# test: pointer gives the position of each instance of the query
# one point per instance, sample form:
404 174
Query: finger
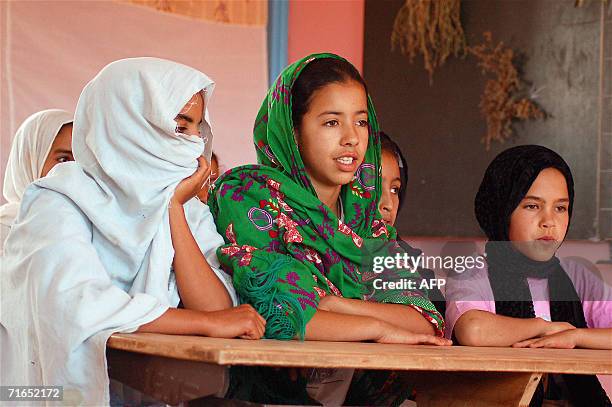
423 339
521 344
262 332
203 170
256 334
257 315
202 162
260 318
252 333
444 342
263 328
435 340
525 343
255 326
250 337
538 344
260 327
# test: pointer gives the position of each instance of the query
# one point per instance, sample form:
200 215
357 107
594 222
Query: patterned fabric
284 247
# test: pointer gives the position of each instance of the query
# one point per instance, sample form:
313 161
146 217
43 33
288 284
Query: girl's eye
362 123
181 129
63 159
331 123
395 190
561 209
531 206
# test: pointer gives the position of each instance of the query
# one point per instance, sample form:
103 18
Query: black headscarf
505 184
386 144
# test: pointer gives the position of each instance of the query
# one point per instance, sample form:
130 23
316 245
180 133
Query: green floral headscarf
284 247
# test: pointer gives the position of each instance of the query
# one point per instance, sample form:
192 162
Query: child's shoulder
477 268
578 268
472 282
587 278
43 202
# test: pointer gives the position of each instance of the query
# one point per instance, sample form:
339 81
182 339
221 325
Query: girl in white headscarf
42 141
107 243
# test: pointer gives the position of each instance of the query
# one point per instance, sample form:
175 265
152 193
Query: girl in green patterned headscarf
299 226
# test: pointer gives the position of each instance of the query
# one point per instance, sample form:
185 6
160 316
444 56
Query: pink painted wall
49 50
326 26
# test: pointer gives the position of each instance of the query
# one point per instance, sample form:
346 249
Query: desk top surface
364 355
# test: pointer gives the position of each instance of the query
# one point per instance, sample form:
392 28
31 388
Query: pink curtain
50 50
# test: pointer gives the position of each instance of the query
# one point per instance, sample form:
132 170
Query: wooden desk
450 376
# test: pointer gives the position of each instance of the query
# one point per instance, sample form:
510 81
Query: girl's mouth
347 162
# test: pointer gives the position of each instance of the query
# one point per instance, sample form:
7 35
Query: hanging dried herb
505 98
431 28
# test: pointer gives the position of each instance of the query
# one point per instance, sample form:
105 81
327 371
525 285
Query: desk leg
169 380
474 389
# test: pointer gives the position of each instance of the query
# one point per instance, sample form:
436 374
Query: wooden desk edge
231 356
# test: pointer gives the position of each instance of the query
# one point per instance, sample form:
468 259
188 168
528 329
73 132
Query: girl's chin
345 181
341 178
336 178
538 250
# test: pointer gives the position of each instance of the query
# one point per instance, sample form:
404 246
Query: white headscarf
29 151
90 252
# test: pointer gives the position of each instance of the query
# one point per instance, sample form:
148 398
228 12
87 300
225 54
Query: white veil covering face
90 252
30 148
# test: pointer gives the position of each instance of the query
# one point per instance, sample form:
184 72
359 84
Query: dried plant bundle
505 98
431 28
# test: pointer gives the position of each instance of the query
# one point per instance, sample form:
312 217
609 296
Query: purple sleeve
468 291
595 294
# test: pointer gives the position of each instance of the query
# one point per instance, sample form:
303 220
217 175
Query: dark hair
386 144
316 75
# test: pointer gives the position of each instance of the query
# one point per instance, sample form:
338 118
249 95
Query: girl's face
391 183
333 135
189 119
61 149
539 223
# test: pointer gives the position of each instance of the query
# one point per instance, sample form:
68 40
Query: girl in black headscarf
524 206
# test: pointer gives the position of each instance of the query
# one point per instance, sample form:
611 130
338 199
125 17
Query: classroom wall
50 50
332 26
439 125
